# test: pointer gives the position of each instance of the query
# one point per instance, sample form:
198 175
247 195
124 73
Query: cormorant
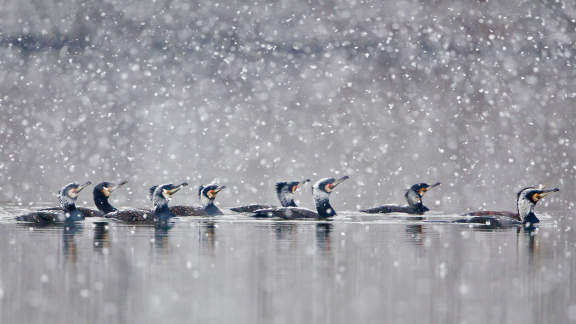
206 195
526 199
101 193
285 192
68 213
321 191
160 195
413 197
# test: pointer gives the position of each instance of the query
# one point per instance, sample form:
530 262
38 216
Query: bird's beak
546 192
81 187
114 187
217 190
339 181
424 190
175 190
434 185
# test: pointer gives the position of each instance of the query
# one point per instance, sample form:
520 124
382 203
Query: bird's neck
530 219
324 208
162 212
211 209
526 211
414 199
206 202
69 207
72 214
419 208
286 199
103 205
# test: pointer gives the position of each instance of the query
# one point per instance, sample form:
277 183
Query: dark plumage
67 213
413 197
321 191
206 195
526 200
285 192
159 216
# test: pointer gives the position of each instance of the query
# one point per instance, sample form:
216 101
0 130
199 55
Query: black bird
413 197
285 192
206 195
321 191
68 213
526 200
160 195
101 193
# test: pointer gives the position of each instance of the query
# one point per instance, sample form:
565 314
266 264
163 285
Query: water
234 269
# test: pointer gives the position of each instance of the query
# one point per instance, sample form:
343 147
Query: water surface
234 269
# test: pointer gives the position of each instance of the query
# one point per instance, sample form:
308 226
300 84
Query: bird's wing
286 213
188 211
386 209
250 208
135 216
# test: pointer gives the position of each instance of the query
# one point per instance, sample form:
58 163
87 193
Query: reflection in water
70 247
340 271
531 235
161 237
207 237
415 234
284 231
101 236
323 239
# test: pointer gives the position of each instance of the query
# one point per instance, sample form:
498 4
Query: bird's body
133 216
286 213
67 213
251 208
87 212
321 191
285 193
160 215
396 209
413 197
206 195
526 200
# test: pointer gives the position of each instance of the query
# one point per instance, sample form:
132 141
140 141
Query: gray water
235 269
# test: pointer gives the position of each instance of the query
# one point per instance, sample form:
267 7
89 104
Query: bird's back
286 213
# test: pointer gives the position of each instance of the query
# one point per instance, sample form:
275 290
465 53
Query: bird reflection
531 234
415 234
101 236
284 231
161 236
323 238
207 236
70 247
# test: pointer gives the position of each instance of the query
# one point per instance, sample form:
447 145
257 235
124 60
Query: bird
67 213
285 192
413 197
160 195
526 200
206 195
321 191
101 193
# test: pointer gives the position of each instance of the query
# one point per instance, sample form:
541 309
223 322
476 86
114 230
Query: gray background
477 95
